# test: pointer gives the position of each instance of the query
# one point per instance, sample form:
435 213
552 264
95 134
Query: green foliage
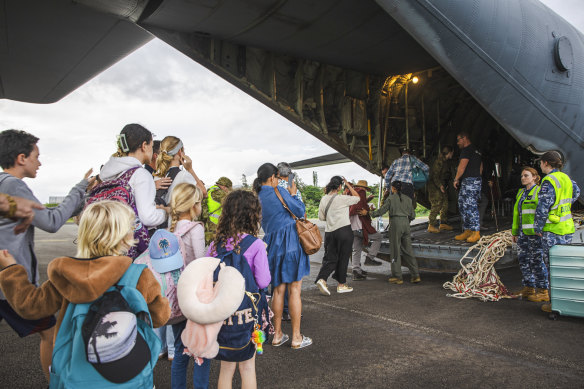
422 211
311 195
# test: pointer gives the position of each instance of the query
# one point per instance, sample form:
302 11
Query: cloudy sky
170 94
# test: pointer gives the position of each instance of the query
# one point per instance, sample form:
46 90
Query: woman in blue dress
288 261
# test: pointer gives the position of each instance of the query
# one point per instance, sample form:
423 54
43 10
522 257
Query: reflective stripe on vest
213 206
560 221
527 211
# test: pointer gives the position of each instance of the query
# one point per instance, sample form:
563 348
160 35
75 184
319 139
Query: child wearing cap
105 236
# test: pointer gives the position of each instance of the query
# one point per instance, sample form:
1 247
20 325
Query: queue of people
134 200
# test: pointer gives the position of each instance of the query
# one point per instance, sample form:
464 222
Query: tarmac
380 336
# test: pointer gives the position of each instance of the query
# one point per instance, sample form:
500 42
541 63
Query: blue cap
164 252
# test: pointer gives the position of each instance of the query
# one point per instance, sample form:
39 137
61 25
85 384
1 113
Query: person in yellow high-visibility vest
529 251
212 207
553 215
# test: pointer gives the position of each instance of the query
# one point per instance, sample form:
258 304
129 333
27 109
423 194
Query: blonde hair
164 159
106 228
183 199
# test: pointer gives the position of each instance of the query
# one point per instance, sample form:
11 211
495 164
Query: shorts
24 327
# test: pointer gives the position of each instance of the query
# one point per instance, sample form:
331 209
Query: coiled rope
479 278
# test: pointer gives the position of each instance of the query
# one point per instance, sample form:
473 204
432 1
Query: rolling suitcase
567 280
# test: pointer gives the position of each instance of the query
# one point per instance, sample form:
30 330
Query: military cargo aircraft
364 76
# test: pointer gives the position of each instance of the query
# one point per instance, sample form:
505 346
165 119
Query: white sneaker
322 287
344 289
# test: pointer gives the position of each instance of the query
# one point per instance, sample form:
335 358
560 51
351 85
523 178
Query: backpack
118 189
73 351
234 338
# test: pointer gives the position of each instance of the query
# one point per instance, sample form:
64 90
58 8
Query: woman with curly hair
288 261
240 219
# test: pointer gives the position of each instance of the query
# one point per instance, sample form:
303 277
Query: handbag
419 176
308 233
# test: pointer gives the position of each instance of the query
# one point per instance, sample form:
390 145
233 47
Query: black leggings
338 247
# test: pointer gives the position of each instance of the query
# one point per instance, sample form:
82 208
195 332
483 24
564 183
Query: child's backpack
107 343
235 343
168 280
119 189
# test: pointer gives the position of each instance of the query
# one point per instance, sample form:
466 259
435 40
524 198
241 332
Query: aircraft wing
50 48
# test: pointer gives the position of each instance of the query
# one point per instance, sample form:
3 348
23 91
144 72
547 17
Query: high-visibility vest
527 212
560 221
213 206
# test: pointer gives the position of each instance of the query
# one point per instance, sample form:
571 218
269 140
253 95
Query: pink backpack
168 281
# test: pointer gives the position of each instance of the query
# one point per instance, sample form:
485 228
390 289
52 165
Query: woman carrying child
105 236
401 213
288 261
239 219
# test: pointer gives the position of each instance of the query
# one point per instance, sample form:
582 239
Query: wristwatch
11 207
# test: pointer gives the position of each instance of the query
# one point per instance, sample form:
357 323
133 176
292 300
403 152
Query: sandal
306 341
283 340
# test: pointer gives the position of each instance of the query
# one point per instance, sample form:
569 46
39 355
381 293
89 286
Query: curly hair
241 214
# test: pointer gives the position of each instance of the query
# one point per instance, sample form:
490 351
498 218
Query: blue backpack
234 338
70 367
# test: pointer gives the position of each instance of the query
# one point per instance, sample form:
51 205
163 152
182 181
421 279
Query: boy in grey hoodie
19 157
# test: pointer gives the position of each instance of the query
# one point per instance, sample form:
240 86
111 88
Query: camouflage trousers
468 203
549 240
439 205
533 268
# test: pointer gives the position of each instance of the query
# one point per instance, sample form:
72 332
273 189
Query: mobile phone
291 179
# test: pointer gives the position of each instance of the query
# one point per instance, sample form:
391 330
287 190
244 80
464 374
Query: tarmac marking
545 359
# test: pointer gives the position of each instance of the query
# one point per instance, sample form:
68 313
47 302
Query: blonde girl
106 233
171 157
185 205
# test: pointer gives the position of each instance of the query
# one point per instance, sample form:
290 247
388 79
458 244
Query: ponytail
257 185
265 171
167 148
333 184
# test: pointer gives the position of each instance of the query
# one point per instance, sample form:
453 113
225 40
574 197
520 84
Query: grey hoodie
21 246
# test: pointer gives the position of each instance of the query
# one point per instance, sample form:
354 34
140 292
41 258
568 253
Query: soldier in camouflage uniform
437 184
212 207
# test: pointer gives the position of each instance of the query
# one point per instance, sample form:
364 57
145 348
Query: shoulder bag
308 233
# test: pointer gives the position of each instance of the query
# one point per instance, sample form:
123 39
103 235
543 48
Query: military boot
474 237
433 229
525 292
540 295
445 227
464 235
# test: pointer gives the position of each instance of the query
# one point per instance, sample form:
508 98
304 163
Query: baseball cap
114 346
552 156
165 252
